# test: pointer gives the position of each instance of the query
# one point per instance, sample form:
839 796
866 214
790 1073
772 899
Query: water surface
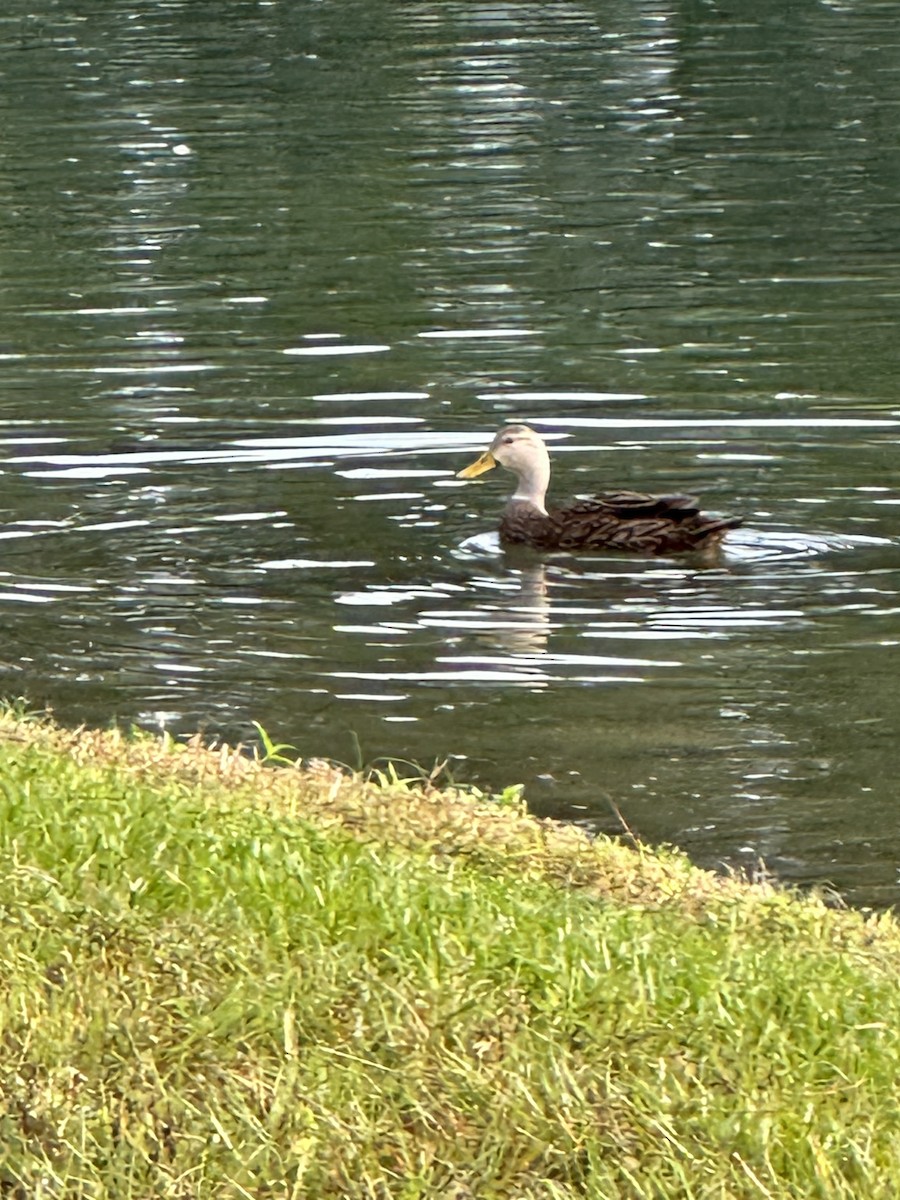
272 273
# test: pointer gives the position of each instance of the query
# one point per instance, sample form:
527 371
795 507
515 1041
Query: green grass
224 980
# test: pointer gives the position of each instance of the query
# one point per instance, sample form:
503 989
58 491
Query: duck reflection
522 624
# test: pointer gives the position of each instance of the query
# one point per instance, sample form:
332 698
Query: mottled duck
610 520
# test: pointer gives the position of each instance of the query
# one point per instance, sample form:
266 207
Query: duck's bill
485 463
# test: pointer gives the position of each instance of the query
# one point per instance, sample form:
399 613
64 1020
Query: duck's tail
710 530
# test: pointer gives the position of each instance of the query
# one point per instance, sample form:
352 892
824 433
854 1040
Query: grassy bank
224 980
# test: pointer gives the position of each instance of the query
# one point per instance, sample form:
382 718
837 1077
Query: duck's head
516 447
520 450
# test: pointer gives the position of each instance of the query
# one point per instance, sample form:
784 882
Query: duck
630 521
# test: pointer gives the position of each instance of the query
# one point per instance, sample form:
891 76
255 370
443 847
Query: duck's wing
625 506
637 521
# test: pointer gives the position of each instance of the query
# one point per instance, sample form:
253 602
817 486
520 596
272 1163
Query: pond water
272 272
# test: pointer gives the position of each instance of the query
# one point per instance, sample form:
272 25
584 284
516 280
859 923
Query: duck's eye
508 441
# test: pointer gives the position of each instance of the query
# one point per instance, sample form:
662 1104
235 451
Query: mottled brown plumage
634 521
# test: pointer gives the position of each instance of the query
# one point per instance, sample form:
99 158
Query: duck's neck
534 479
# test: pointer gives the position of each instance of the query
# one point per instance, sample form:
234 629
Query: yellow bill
485 463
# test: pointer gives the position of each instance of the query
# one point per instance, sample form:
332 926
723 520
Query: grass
222 979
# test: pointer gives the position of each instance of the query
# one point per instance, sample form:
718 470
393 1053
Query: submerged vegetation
224 979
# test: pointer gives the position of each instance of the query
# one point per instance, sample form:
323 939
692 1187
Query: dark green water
270 273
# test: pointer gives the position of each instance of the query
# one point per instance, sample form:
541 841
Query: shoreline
293 981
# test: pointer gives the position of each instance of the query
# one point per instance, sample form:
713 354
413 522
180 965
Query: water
273 272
